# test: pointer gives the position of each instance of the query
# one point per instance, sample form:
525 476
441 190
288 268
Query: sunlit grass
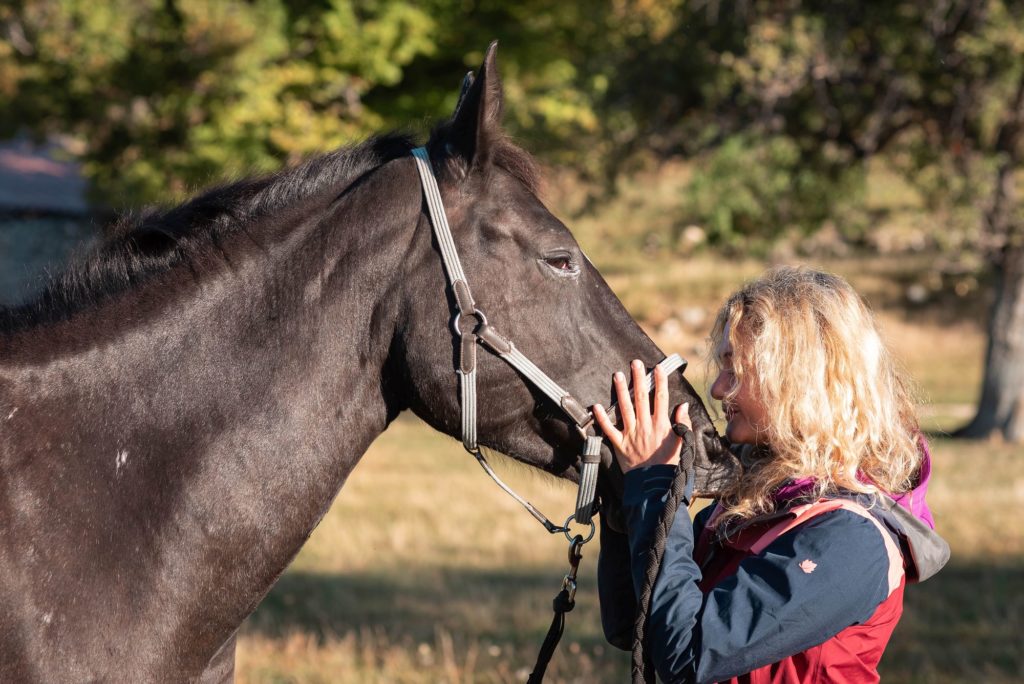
423 571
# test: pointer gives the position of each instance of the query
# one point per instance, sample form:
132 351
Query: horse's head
535 285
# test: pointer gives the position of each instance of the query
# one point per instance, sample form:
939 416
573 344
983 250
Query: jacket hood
925 552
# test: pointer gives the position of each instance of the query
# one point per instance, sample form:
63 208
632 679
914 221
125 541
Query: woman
796 574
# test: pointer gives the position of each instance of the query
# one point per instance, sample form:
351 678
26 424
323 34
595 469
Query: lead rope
680 490
563 603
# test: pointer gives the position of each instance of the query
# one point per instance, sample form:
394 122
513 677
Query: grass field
423 571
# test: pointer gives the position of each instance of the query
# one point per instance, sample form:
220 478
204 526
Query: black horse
178 411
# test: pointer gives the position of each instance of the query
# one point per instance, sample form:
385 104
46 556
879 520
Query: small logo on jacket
808 566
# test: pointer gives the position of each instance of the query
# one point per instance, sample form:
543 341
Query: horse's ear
477 118
467 81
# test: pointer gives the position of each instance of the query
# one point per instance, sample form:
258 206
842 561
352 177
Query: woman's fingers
641 402
683 415
642 439
624 402
608 429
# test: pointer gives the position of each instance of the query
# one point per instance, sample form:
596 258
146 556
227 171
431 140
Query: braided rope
642 667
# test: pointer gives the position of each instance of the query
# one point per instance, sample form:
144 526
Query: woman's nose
719 388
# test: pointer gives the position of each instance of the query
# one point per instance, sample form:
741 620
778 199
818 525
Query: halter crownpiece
471 327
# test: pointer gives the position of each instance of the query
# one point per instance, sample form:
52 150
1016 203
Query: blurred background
688 145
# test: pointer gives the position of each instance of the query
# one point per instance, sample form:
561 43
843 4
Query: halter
470 326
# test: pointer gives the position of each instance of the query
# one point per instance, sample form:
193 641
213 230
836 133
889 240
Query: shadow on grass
965 624
511 605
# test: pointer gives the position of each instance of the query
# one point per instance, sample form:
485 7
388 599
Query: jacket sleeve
615 580
773 607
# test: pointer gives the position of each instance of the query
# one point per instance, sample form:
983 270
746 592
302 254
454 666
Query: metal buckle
575 556
476 313
569 584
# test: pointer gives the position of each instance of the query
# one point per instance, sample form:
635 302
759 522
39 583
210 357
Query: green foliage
160 96
938 89
749 190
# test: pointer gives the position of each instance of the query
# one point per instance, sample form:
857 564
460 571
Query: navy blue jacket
768 610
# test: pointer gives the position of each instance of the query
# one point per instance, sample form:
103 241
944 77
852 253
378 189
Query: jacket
817 603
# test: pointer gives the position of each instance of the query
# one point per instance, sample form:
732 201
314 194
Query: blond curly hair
838 408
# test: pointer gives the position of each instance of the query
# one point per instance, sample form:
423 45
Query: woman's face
745 414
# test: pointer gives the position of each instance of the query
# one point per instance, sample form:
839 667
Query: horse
180 407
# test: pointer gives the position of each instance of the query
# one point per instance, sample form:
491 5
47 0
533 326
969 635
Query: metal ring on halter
571 538
458 316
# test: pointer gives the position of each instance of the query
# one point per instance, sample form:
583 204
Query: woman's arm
615 583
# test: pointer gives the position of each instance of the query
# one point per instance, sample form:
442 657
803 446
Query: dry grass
424 572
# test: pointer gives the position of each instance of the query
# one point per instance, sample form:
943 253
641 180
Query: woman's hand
645 438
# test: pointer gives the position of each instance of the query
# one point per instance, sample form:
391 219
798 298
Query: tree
159 97
786 101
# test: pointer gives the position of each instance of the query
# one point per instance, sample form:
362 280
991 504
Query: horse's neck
214 436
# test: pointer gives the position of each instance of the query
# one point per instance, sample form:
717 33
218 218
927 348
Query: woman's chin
737 434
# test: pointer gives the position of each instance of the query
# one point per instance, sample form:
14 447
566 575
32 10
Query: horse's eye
561 263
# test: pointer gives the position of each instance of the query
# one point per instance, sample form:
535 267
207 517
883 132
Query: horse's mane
152 240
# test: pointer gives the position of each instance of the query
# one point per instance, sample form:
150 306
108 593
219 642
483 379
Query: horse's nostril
713 447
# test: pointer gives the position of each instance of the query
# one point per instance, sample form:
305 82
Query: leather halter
470 327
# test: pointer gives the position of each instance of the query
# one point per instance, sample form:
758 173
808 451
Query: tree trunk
1001 407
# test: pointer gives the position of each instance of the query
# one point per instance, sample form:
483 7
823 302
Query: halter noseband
480 331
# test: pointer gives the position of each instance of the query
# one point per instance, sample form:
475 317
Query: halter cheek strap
470 327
